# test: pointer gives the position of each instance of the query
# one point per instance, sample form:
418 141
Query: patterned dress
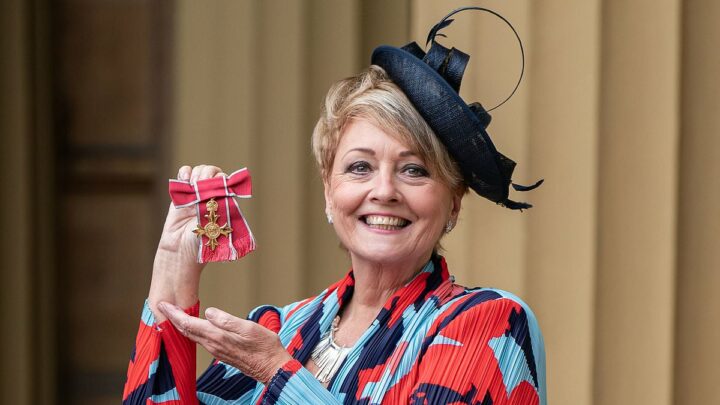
434 342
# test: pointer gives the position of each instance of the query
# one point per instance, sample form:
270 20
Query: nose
384 188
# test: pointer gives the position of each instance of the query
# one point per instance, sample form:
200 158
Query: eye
359 167
414 170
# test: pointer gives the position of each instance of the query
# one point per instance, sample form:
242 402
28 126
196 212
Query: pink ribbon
237 243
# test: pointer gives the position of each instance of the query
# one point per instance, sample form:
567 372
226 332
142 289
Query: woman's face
386 206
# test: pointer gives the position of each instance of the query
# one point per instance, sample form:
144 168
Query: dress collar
416 291
431 282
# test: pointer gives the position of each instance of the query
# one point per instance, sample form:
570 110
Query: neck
376 282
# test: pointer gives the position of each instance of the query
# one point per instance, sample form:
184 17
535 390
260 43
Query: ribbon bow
224 232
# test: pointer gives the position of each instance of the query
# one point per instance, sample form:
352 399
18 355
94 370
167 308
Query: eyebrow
371 152
361 150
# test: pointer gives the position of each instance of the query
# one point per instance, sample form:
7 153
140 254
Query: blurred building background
102 101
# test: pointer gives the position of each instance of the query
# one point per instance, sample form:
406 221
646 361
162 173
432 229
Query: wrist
173 262
276 365
174 280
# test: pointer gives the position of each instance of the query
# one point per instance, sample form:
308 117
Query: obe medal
212 230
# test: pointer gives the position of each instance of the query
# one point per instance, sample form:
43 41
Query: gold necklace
327 355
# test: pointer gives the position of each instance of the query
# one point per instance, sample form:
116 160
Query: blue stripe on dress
512 363
171 395
147 316
538 345
209 399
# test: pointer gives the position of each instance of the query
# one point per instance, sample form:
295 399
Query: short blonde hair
373 96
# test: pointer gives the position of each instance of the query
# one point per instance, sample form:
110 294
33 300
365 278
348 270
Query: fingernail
210 313
161 306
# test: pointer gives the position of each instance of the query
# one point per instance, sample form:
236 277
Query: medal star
212 230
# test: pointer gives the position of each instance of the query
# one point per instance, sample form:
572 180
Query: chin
384 254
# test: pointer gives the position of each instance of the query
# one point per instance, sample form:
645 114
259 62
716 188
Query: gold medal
212 230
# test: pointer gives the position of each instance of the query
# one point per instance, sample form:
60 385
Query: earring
449 226
329 218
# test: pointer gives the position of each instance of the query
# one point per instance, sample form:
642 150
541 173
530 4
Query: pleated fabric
434 342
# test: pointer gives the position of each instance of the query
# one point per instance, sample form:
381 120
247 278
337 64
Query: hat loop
449 63
435 31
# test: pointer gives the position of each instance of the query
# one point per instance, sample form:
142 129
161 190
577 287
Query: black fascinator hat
432 82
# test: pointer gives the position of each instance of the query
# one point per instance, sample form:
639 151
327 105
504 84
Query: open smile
384 222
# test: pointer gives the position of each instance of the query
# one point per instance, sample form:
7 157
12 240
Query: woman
394 156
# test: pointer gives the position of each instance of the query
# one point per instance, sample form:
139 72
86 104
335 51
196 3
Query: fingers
194 176
184 173
219 342
209 172
247 346
225 321
200 172
196 329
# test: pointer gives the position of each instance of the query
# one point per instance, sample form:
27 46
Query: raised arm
162 363
176 271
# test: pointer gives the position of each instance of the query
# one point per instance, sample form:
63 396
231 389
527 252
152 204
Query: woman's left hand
251 348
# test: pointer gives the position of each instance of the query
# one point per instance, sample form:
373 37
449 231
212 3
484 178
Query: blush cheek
345 198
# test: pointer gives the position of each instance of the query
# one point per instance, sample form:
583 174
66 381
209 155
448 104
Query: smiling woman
397 149
387 205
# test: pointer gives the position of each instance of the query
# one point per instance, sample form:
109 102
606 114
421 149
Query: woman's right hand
177 237
176 271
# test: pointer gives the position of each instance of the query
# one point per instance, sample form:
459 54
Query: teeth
385 222
385 227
